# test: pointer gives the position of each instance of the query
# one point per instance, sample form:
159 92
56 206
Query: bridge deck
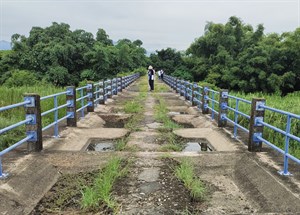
239 182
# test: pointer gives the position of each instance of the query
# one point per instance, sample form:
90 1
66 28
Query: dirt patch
65 196
115 120
137 194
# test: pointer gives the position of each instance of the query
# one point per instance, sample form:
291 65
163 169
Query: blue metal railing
103 89
206 98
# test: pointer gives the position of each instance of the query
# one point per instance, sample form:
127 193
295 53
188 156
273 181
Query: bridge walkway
237 181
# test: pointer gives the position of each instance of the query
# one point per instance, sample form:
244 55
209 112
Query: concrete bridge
237 181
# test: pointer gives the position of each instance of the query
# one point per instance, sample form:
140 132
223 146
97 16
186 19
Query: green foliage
9 117
100 192
133 107
185 172
288 103
234 56
21 78
161 115
64 57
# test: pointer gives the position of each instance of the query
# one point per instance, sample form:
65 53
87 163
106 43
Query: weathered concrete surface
76 138
144 140
217 139
29 180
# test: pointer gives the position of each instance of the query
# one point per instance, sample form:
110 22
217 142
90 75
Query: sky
158 23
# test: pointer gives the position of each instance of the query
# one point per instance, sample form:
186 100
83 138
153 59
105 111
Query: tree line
233 55
57 55
236 56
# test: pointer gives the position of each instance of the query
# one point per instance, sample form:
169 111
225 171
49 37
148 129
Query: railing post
193 94
34 127
109 89
186 92
176 86
205 100
181 88
256 128
122 83
223 102
102 85
90 98
71 108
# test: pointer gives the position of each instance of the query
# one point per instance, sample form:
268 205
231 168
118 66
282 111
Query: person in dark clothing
151 74
162 74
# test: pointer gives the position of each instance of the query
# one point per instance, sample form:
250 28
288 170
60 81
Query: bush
21 78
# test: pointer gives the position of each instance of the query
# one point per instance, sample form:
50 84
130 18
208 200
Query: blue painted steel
31 118
241 99
14 105
286 147
236 116
238 125
82 102
280 111
185 90
51 96
213 105
55 116
15 125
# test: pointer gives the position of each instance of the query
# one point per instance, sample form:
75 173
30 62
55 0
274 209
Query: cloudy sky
158 23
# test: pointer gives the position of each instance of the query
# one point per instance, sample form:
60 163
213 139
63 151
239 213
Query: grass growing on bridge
185 172
100 192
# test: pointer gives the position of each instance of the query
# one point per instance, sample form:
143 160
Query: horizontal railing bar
81 88
14 105
15 145
240 99
81 98
239 112
210 90
238 125
14 125
82 107
280 111
51 96
278 149
54 109
215 101
280 131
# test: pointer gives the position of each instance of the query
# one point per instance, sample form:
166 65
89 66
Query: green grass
161 115
288 103
185 172
10 96
171 142
100 192
133 106
161 88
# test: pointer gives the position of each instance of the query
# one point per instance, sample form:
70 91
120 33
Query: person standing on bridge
151 74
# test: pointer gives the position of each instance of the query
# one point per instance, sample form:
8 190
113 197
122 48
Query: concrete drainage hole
115 120
198 146
101 145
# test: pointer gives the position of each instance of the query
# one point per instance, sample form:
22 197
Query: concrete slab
149 174
28 182
218 140
76 138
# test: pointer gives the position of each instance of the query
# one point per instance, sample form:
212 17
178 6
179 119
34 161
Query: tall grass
185 172
161 115
289 103
10 96
100 192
